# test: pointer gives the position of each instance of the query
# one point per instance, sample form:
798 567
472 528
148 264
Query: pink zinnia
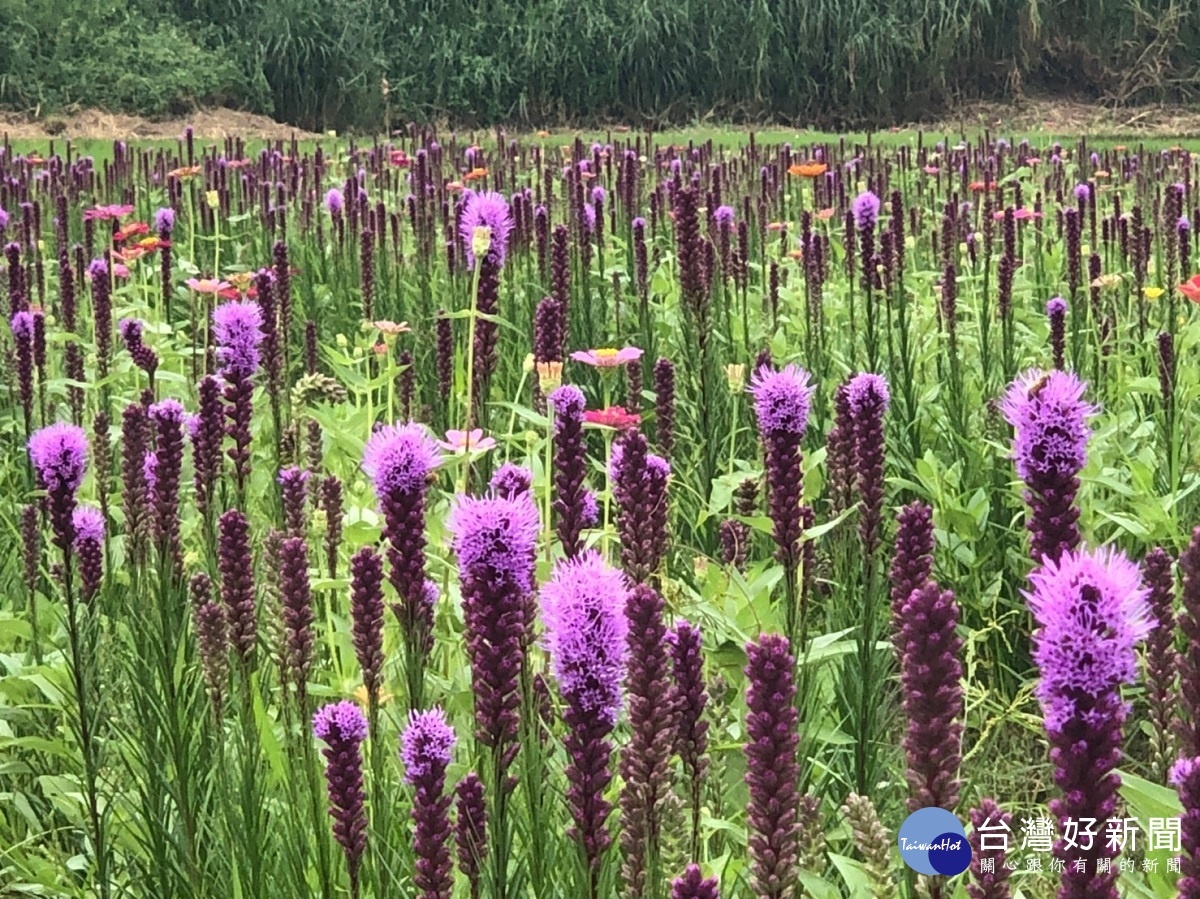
458 442
207 285
612 417
106 213
607 357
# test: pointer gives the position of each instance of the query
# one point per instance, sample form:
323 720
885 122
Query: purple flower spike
1050 421
366 611
689 697
343 727
868 398
237 327
570 466
639 485
470 831
1091 612
495 540
990 829
694 885
398 459
583 607
59 454
426 747
866 210
489 210
782 400
772 772
89 548
1185 777
511 481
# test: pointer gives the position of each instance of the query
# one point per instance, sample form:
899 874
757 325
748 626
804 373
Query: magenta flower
59 455
106 213
426 745
607 357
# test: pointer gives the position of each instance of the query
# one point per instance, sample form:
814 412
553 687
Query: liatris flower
297 613
495 540
993 883
212 639
366 613
868 397
135 493
865 210
398 460
1188 721
331 502
689 696
560 278
772 771
1091 613
1166 370
872 841
22 330
59 455
89 548
664 407
1056 311
143 357
693 885
933 699
272 356
236 566
206 442
633 385
489 212
470 830
1049 416
236 326
366 265
549 336
426 747
168 418
583 607
639 485
31 545
282 292
782 400
1185 777
570 466
645 760
101 313
343 728
511 481
839 451
1073 227
690 253
294 487
912 561
1161 660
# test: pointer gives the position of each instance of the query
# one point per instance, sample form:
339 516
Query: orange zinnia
979 186
1191 289
475 174
808 169
187 171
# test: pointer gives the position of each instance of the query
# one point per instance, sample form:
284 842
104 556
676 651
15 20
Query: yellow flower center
606 353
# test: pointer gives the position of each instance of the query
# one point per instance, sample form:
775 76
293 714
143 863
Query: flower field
546 518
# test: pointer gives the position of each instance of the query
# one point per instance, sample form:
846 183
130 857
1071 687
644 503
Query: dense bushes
320 62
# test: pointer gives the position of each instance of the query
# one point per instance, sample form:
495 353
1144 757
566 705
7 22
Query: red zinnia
1191 289
612 417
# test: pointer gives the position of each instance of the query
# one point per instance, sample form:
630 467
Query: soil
1059 116
94 124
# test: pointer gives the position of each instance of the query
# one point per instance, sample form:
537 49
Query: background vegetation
320 63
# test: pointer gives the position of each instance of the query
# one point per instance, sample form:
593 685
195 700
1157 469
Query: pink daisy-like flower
207 285
106 213
607 357
458 442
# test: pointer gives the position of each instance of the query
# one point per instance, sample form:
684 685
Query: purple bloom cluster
489 210
343 728
1050 421
639 485
59 455
1185 777
1091 613
237 326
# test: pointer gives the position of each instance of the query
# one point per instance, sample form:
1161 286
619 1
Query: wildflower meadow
527 516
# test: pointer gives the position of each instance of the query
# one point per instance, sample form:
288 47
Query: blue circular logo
933 841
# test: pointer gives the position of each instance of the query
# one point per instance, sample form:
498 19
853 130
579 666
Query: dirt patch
93 124
1072 117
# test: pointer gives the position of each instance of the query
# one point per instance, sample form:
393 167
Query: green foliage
476 62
